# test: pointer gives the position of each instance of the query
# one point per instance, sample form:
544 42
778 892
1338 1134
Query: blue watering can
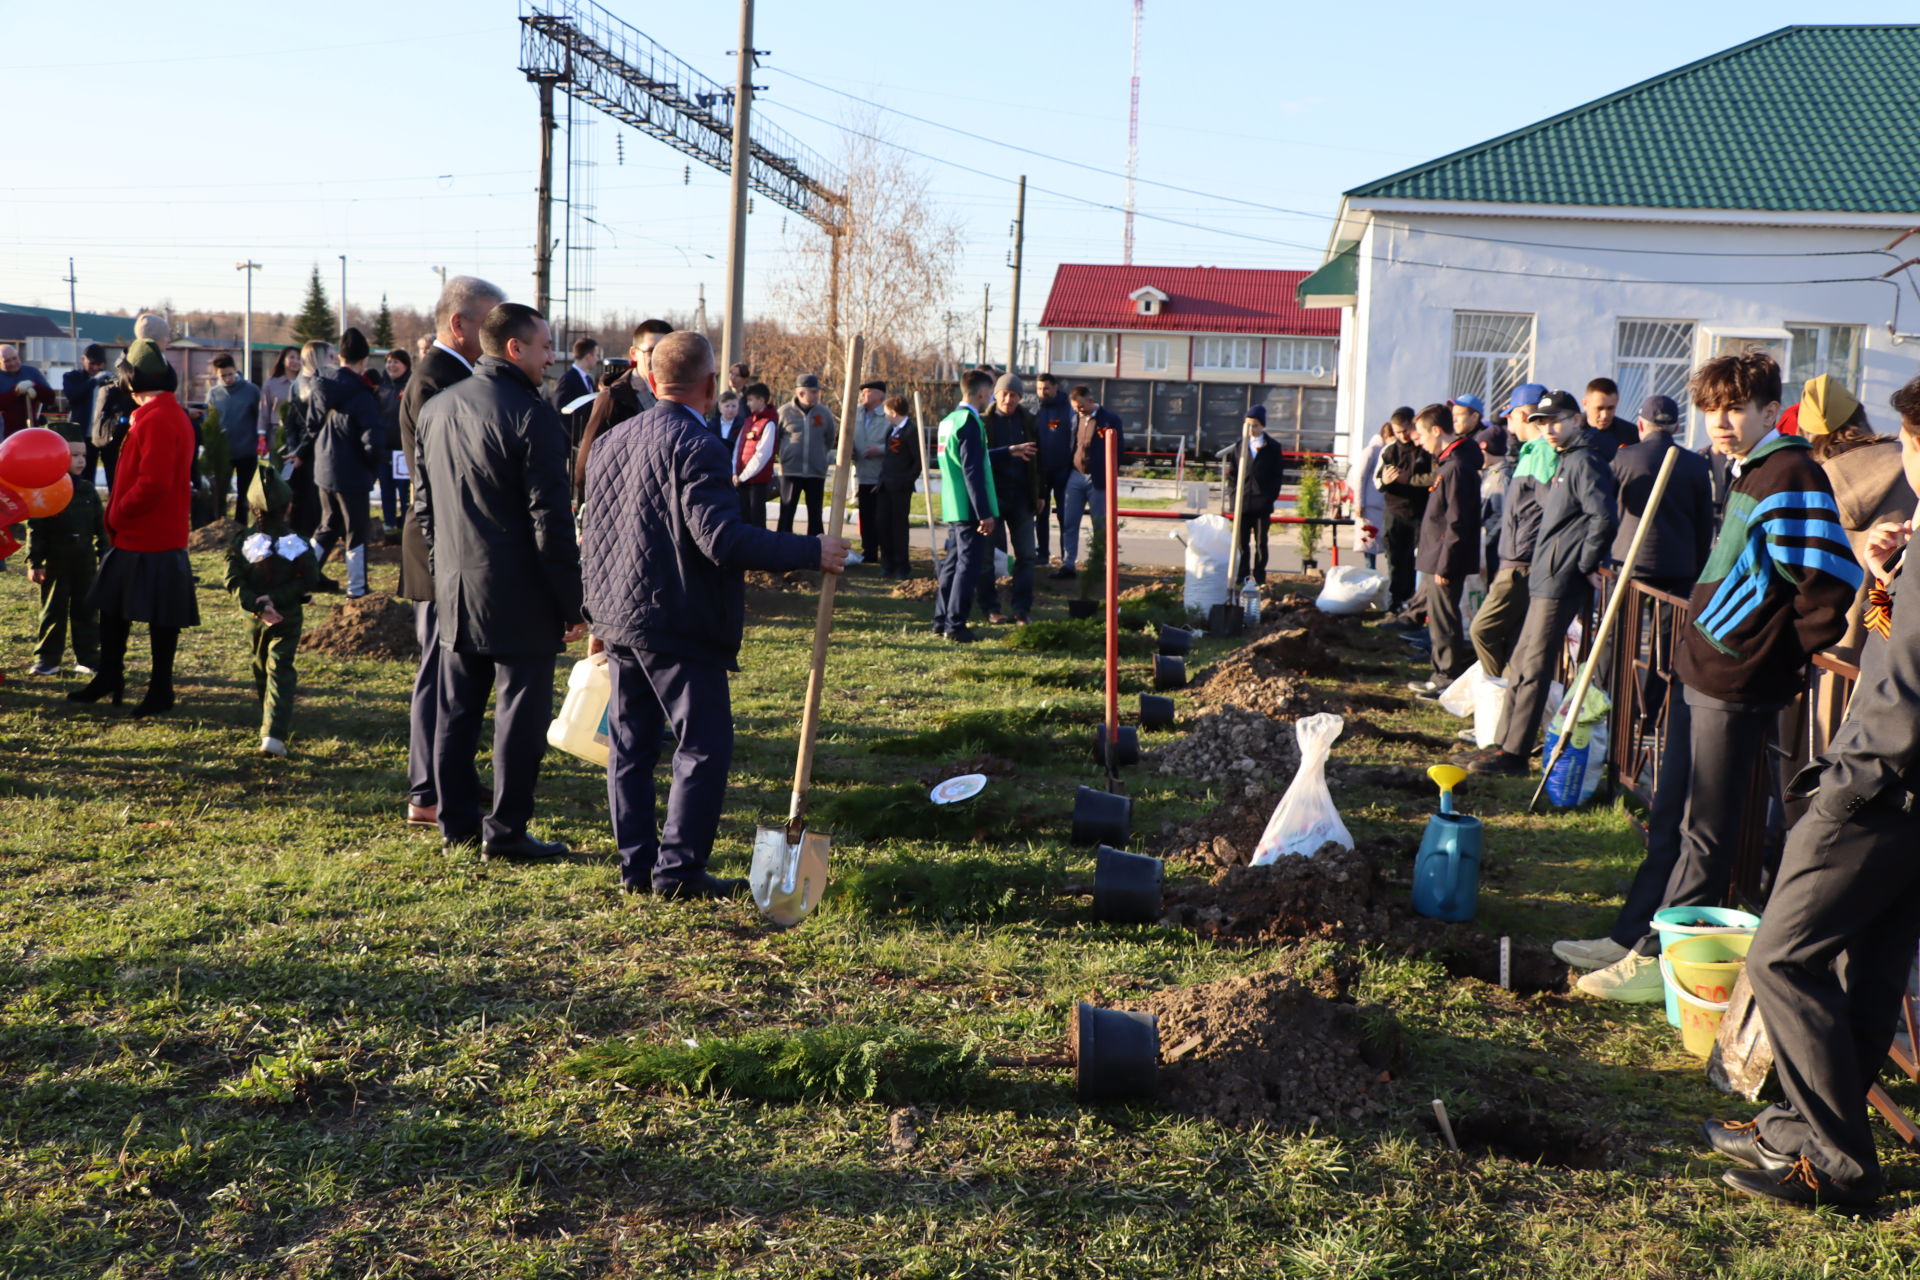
1446 873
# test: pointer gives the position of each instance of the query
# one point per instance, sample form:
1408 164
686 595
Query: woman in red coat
145 576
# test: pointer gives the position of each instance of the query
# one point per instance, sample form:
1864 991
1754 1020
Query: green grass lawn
254 1026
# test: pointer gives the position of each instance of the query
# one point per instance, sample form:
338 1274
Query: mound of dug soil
1266 1050
212 537
374 626
1230 743
1265 675
1339 894
792 580
916 589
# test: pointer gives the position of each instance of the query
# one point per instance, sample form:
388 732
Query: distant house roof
1804 119
1199 300
13 326
94 327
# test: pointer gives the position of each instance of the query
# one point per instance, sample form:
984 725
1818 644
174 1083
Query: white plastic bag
1305 818
1350 588
1473 594
1209 544
1001 564
581 727
1489 705
1458 698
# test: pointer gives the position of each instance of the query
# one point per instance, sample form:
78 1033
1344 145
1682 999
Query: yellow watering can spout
1447 777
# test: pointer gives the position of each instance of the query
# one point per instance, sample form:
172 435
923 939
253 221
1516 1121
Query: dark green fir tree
316 321
383 327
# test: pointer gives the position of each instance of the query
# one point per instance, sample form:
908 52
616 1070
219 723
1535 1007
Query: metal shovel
790 863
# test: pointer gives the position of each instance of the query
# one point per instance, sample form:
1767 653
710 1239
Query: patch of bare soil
374 626
1339 894
792 580
1155 586
916 589
213 537
1268 1050
1234 745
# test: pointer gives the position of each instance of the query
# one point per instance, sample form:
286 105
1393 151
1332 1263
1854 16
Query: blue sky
191 138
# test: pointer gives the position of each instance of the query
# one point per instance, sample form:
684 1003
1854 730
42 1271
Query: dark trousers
1401 535
63 606
1727 739
341 515
969 554
274 678
753 504
523 708
896 531
306 499
424 710
1015 535
651 690
395 497
1828 968
243 469
109 461
867 506
1633 927
1446 629
1053 499
792 491
1497 623
1256 527
1535 662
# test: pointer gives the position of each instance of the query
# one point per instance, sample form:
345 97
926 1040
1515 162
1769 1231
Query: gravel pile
1232 746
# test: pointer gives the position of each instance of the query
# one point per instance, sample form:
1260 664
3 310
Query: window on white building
1226 353
1824 348
1153 355
1492 354
1083 348
1652 358
1310 356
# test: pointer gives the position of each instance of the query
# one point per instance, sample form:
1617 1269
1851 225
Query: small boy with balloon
63 550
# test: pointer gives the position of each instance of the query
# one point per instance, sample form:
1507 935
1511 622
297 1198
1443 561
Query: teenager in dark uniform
899 473
1449 546
62 553
1259 477
1406 501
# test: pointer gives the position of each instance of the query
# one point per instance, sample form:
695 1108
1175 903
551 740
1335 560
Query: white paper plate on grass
964 787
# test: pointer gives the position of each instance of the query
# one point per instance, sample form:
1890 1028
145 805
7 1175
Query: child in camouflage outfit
271 571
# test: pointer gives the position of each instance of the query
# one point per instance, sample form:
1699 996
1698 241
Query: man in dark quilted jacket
665 553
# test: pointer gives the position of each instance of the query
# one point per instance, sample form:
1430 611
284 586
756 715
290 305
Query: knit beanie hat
1825 405
143 368
152 326
353 347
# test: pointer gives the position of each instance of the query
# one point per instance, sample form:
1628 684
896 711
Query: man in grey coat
870 429
495 507
808 433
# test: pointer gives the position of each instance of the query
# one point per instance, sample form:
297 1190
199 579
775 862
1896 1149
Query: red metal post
1113 595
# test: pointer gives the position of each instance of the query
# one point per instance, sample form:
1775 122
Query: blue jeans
1016 532
1081 496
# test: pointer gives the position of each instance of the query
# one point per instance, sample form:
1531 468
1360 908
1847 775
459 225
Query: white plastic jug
581 727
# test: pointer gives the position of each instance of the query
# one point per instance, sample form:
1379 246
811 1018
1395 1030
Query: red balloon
34 458
8 543
48 499
13 508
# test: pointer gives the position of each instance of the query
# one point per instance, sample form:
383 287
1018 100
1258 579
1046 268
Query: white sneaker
1593 953
1467 736
82 669
1634 979
46 669
272 747
1423 686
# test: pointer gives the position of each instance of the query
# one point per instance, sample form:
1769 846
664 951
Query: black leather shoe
1499 764
961 635
157 702
635 886
1798 1184
523 846
1739 1140
1065 573
702 886
112 687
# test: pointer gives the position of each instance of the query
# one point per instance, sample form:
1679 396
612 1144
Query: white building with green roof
1767 195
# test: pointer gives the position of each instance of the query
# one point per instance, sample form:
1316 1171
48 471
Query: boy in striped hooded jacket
1775 591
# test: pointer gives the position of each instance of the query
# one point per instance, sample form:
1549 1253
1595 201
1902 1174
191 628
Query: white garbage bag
1458 697
1350 588
1305 818
1209 545
1489 705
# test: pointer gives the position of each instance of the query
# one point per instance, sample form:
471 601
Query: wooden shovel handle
823 620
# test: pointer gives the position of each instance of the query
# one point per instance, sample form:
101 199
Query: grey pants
1536 660
1451 653
1496 625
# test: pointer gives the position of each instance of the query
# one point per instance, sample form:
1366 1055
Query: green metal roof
1806 118
94 327
1337 283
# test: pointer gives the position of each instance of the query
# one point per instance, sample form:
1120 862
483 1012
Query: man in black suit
495 509
623 399
577 381
464 303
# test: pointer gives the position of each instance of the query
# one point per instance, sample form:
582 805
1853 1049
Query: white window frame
1226 354
1477 368
1154 354
1640 376
1311 357
1082 347
1799 370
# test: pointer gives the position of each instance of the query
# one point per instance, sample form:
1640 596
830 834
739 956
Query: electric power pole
442 273
246 325
73 312
986 311
343 293
543 220
1019 242
733 338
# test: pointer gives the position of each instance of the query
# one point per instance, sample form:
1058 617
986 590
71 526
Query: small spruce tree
383 326
316 322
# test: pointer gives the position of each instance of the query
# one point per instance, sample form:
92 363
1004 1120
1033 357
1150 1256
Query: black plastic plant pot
1226 619
1169 671
1128 746
1082 608
1126 886
1101 817
1116 1055
1156 712
1175 639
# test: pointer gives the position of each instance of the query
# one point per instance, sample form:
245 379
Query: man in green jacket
969 506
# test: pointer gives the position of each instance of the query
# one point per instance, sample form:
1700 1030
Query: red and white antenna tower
1133 135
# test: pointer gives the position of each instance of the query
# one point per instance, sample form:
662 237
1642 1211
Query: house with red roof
1181 353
